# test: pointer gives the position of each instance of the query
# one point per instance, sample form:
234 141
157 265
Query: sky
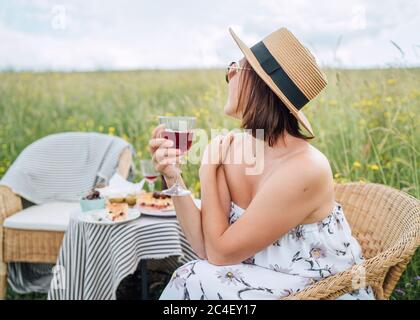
123 34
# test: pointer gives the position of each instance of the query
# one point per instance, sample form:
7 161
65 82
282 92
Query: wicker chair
386 222
33 246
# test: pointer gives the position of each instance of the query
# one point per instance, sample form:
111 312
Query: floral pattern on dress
236 277
277 268
298 233
250 260
306 254
234 214
315 260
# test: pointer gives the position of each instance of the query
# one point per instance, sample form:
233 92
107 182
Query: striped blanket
95 258
64 166
59 167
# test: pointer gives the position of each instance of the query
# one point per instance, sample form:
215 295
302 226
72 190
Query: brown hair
262 109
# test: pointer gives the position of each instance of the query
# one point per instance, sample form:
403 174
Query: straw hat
288 68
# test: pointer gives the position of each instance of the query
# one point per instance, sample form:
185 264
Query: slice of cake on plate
155 201
117 211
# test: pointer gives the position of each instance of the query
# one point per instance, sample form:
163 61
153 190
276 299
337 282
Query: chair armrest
373 270
125 162
334 286
10 203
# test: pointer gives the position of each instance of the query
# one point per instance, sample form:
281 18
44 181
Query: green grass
366 122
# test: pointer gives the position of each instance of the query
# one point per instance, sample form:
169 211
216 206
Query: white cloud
167 34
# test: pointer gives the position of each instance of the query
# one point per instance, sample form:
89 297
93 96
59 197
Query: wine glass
179 131
149 173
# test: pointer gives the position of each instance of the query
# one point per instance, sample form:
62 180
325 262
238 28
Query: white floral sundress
306 254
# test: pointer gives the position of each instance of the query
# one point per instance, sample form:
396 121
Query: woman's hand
163 155
216 152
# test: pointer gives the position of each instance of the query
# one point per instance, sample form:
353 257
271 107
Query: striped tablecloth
95 258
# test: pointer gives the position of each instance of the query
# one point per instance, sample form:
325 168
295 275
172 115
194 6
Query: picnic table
94 258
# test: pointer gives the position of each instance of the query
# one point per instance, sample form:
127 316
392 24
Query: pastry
155 201
117 211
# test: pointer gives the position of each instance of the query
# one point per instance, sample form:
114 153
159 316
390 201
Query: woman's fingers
164 163
171 160
160 142
163 153
157 143
155 140
157 131
164 157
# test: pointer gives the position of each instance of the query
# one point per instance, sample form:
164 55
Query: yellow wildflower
392 82
111 131
374 167
388 99
356 164
367 103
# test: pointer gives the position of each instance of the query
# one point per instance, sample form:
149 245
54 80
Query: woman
265 235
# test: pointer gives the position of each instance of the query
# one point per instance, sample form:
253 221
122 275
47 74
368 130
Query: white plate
156 213
101 217
169 213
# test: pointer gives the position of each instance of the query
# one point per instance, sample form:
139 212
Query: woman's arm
189 216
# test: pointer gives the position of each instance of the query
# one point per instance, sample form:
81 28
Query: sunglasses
233 69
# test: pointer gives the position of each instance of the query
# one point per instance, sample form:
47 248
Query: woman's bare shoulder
311 166
316 159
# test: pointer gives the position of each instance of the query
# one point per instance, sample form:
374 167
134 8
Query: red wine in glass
179 131
151 179
149 173
182 139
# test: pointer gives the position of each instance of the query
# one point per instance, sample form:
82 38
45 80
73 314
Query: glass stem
151 186
178 175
